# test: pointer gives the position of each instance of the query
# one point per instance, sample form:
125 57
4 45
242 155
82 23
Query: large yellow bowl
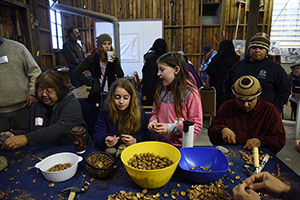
151 179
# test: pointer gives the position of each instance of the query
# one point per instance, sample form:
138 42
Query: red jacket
263 122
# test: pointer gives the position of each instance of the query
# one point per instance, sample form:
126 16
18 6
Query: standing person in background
295 77
122 120
103 72
219 67
209 53
18 74
150 79
176 100
73 53
275 83
192 70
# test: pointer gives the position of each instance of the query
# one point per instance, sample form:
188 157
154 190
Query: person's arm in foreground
263 182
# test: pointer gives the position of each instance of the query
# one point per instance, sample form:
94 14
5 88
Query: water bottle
188 134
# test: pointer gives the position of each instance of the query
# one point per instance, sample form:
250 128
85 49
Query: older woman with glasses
50 120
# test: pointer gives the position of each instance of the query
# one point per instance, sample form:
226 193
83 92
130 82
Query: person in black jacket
49 121
275 83
219 67
73 53
150 78
103 72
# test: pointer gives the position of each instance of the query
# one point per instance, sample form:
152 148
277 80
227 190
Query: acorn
3 163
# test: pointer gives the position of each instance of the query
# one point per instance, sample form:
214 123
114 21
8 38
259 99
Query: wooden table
81 93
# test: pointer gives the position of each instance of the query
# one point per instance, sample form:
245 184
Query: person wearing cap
103 72
274 80
295 78
209 53
73 53
248 120
150 70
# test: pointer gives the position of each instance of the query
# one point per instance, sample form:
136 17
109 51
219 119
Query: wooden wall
183 25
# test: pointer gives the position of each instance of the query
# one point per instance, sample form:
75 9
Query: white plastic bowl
59 158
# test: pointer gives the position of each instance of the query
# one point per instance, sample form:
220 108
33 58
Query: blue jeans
74 81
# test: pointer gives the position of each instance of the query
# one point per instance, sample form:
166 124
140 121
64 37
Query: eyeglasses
49 92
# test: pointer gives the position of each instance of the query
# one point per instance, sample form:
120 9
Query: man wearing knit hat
248 120
272 77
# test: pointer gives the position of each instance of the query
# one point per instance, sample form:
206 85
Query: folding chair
208 99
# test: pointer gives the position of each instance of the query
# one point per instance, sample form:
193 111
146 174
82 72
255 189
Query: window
286 23
56 28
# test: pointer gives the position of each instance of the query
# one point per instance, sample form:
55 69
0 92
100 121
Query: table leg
297 125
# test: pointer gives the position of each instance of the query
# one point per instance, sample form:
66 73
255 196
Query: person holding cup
105 68
49 121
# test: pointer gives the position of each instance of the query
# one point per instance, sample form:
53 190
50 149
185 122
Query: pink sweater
192 109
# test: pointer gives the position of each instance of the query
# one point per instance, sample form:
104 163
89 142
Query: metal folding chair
208 99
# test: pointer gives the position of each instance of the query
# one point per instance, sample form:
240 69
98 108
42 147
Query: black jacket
91 63
56 130
73 53
275 83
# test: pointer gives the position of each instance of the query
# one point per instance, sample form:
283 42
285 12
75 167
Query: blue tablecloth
19 176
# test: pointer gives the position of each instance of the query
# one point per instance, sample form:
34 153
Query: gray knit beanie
103 37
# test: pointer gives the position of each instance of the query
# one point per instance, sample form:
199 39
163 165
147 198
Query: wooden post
252 21
200 37
173 22
270 17
222 24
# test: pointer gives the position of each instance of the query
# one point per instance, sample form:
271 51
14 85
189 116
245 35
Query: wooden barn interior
187 25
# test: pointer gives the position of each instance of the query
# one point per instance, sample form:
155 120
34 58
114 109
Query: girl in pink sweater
176 100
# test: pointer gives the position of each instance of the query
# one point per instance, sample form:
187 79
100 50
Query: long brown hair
181 82
129 119
102 54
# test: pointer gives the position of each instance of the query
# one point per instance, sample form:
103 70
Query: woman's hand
161 128
241 193
266 183
151 126
128 139
14 142
111 141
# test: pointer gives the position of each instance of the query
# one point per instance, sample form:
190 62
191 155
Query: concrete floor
288 154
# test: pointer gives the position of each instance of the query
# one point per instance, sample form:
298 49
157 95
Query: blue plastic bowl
194 157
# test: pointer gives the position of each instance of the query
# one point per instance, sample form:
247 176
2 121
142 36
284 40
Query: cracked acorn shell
3 163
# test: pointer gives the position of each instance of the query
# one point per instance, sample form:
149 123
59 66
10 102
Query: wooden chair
208 99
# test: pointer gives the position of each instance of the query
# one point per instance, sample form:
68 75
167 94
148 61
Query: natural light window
286 23
56 29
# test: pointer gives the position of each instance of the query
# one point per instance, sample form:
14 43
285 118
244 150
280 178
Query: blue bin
192 158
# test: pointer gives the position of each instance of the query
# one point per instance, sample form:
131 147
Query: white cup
109 54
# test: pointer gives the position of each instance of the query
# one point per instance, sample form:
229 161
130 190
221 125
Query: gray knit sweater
17 76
